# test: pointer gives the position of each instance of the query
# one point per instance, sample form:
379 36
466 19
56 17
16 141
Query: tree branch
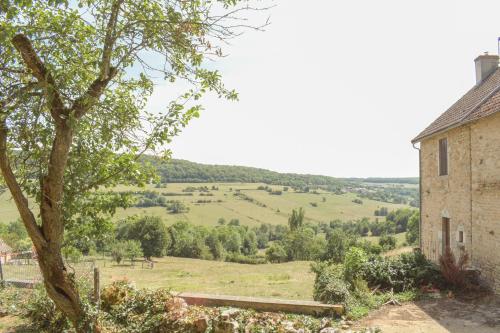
109 40
91 96
21 202
42 74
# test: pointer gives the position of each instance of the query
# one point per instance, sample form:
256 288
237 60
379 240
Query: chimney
485 65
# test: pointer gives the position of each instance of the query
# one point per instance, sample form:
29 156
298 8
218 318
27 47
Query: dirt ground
442 315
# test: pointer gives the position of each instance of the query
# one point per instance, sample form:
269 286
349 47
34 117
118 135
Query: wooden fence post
1 273
97 288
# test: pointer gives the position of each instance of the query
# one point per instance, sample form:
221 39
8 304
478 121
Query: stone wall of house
486 198
446 196
469 196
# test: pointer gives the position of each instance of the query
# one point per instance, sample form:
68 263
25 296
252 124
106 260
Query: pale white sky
340 88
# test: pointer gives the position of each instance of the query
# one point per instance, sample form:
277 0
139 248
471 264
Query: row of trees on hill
181 171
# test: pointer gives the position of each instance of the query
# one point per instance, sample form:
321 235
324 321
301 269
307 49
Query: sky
339 88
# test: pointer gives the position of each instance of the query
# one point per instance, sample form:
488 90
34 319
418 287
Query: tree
387 242
412 233
276 253
296 219
119 251
338 243
149 231
72 120
133 250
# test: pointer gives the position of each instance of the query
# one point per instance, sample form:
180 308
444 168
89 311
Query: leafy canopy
100 70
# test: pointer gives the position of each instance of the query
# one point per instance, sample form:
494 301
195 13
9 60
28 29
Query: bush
387 242
276 253
242 259
405 272
354 263
453 271
43 315
329 285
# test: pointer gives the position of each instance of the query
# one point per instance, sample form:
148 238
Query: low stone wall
263 304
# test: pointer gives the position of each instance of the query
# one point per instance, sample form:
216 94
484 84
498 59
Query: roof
479 102
4 248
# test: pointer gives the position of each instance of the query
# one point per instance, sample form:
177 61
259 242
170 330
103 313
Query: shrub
276 253
242 259
43 315
405 272
329 285
453 271
355 260
387 242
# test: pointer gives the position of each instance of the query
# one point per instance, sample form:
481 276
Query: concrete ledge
263 304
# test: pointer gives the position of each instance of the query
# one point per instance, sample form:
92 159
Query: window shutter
443 157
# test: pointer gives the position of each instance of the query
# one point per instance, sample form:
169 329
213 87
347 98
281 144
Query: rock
230 314
175 304
250 325
329 330
345 327
176 308
231 326
201 324
348 322
325 322
288 327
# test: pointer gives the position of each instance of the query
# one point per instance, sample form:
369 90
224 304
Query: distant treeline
375 180
181 171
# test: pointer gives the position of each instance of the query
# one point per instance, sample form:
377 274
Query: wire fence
23 270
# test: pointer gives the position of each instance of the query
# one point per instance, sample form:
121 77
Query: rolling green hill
233 193
182 171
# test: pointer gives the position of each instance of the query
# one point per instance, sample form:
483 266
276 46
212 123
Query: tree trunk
61 286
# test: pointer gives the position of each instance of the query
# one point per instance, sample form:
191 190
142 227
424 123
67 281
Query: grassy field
249 213
291 280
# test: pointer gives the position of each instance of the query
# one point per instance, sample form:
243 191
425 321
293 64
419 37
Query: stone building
460 176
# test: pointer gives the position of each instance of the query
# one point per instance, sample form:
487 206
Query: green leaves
102 58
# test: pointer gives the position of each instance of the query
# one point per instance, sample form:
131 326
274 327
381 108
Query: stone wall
469 195
446 196
486 198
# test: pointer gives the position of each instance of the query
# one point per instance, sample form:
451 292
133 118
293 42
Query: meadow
266 208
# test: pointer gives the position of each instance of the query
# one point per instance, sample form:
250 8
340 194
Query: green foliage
72 254
276 253
404 272
150 231
245 259
181 171
296 219
338 243
412 235
387 242
329 284
177 207
355 260
14 234
119 251
43 315
134 250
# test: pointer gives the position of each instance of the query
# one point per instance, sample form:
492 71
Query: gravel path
443 315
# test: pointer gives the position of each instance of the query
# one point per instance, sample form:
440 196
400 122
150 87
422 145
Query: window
443 157
460 236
